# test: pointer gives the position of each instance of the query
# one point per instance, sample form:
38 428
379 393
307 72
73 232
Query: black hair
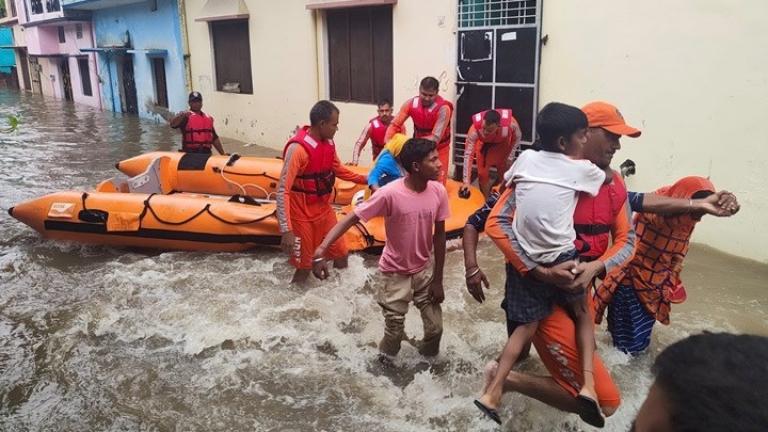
429 83
321 111
414 151
715 382
492 116
383 102
558 120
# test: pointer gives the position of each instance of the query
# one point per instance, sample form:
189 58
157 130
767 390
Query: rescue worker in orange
431 116
493 136
197 131
304 192
375 130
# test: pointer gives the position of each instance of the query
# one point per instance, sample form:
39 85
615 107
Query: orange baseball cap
608 117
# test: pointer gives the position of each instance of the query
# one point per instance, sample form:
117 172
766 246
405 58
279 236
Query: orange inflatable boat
227 175
145 211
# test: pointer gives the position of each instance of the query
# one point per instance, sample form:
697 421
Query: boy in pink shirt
411 207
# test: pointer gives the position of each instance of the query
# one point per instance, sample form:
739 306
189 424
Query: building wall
72 46
693 81
42 40
691 75
423 43
148 30
283 69
290 75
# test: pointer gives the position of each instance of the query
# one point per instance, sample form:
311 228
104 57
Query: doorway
129 86
498 46
35 68
23 63
66 78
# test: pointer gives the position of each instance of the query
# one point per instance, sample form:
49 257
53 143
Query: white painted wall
283 68
289 67
423 33
692 75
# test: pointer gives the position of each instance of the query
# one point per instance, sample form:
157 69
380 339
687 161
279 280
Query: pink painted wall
72 46
42 40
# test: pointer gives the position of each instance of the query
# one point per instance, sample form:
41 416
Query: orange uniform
308 217
497 150
433 123
555 339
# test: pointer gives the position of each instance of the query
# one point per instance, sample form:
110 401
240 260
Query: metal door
498 64
35 68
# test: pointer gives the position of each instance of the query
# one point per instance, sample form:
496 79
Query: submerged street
95 338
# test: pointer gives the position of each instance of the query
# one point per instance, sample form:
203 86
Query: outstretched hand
721 204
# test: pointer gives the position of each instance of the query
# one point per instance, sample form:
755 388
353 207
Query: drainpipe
319 26
96 62
111 89
185 45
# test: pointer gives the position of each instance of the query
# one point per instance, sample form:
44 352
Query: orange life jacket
377 132
197 136
594 215
318 178
424 119
506 131
662 243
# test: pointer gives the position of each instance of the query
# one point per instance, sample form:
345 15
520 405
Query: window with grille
360 54
232 56
484 13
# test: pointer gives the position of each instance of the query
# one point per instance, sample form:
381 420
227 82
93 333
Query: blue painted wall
159 29
6 54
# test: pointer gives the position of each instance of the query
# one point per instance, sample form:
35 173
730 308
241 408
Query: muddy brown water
102 339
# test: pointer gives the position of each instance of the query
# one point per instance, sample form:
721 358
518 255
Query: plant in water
13 124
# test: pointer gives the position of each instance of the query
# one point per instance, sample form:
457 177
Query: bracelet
317 260
477 270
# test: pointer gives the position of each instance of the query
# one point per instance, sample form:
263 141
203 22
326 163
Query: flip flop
490 412
590 411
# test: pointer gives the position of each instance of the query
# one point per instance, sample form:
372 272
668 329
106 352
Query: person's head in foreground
708 382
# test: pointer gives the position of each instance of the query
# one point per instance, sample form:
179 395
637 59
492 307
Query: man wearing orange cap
603 217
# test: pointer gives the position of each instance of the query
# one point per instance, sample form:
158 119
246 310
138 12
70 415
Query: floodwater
101 339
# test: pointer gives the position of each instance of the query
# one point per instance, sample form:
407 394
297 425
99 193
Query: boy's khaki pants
394 295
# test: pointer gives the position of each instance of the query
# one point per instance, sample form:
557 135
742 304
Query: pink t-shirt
409 218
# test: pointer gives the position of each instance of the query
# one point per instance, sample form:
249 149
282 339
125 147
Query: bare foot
489 372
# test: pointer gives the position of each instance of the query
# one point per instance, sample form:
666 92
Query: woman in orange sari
642 292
